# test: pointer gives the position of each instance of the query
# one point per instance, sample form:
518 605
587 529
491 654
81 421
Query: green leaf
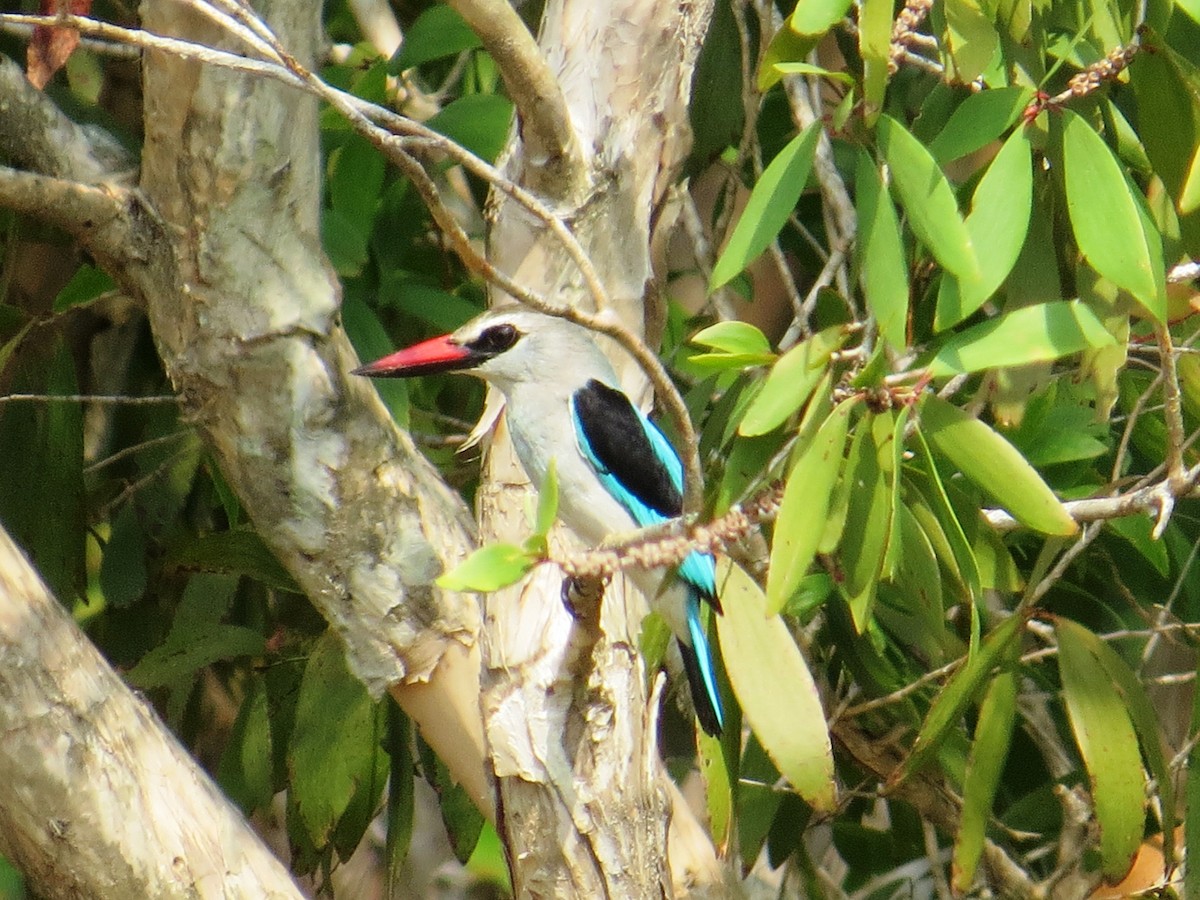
999 220
179 658
1105 216
1144 717
734 338
371 341
438 32
356 181
463 821
123 567
803 68
479 122
804 510
85 285
870 515
760 655
973 40
791 382
874 45
992 463
815 17
1030 334
401 799
1189 197
948 707
928 199
1100 720
978 121
245 772
989 752
882 262
334 752
344 241
770 204
786 46
240 552
489 569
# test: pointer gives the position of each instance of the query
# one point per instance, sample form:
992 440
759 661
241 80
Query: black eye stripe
496 339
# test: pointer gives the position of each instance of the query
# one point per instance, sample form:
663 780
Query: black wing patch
617 441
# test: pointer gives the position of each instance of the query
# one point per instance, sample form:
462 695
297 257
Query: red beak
439 354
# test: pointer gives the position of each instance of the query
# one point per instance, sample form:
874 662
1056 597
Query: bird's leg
581 597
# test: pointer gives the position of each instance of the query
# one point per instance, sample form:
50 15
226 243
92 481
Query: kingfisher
616 470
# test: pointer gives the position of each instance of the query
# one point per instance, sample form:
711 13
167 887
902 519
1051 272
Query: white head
507 347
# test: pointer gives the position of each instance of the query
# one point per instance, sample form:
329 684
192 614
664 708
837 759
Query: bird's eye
497 339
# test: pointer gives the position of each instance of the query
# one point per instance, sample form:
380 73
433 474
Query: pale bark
250 336
100 799
221 246
571 730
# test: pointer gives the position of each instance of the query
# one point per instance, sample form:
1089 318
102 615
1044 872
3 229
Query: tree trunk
571 731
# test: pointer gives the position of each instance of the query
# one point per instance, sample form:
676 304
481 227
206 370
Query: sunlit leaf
489 569
1026 335
973 38
803 68
883 265
928 199
732 337
993 464
1099 718
1142 714
790 382
547 508
760 655
1105 216
802 515
818 16
999 220
979 120
874 45
770 204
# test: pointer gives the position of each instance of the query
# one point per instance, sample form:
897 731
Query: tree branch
73 739
557 166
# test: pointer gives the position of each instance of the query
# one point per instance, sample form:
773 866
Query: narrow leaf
948 708
815 17
999 220
979 120
1030 334
791 382
547 508
874 45
732 337
882 262
803 513
989 752
1104 215
1145 722
760 656
993 464
488 569
770 204
1100 721
928 199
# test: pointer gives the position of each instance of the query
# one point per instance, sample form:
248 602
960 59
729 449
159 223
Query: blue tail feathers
701 673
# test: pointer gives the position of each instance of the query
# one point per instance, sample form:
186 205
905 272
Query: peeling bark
571 731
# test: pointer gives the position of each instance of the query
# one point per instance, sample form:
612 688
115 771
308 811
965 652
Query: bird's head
506 347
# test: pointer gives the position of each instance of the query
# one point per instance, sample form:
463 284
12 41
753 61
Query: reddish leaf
50 47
